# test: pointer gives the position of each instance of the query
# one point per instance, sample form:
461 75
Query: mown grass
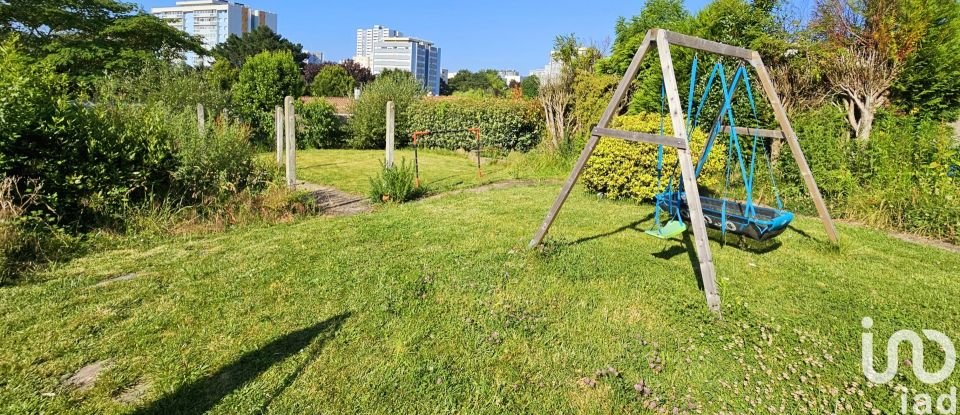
436 306
351 170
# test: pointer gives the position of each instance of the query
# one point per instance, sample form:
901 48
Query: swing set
682 202
418 136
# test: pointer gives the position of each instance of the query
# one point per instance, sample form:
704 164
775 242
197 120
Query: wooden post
391 131
278 121
608 114
701 240
781 114
290 128
201 120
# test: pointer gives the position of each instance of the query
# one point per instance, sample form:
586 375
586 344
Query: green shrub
264 81
620 169
318 125
369 123
905 181
213 168
825 139
505 124
332 81
395 184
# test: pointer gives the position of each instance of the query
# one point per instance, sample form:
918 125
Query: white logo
923 403
916 343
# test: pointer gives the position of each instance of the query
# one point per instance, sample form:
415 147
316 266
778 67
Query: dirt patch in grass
86 377
926 241
335 202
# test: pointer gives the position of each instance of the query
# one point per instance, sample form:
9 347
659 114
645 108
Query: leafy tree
930 82
85 38
665 14
530 86
237 49
223 75
264 81
488 81
311 70
360 74
368 124
332 81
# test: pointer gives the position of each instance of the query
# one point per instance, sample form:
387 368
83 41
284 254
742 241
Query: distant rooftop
202 2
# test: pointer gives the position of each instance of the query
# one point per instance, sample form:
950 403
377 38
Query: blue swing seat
763 224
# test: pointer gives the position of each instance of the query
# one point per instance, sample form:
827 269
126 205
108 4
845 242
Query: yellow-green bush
621 169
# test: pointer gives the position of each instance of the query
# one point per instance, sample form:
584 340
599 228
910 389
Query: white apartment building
420 57
510 75
214 21
367 39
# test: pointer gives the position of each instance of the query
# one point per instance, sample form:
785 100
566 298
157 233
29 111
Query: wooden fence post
278 122
391 131
201 120
291 141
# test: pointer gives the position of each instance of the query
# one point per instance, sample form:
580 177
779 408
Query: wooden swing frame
663 39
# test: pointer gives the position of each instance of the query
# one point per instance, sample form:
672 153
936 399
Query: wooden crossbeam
641 137
758 131
706 45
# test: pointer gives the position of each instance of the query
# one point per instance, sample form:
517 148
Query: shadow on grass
202 395
634 226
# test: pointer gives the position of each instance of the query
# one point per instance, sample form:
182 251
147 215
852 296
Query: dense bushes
93 161
368 126
899 179
621 169
505 124
318 125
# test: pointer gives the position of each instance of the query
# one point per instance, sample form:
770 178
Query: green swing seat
671 230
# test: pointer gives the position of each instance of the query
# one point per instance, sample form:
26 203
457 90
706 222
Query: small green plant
395 184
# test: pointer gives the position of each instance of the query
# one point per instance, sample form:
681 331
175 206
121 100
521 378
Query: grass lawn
437 307
351 170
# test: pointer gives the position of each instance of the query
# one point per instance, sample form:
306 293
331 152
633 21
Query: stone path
334 202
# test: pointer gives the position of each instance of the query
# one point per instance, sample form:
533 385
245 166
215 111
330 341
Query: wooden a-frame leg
608 114
701 241
781 114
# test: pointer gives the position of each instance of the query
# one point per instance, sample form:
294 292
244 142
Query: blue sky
479 34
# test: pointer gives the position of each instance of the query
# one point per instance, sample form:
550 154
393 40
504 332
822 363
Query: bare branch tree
862 78
555 96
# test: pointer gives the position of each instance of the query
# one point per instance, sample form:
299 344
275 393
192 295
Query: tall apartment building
213 21
420 57
367 39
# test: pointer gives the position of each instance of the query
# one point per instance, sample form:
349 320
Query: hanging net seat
753 221
740 217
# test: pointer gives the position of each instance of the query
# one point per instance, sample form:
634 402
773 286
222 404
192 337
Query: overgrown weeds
395 184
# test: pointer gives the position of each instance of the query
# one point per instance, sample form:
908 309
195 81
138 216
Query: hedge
619 169
506 124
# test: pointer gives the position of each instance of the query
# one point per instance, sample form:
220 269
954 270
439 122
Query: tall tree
85 38
237 49
873 40
264 81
